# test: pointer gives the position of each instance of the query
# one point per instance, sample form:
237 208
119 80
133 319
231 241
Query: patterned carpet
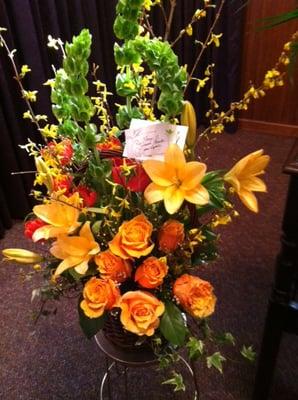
53 360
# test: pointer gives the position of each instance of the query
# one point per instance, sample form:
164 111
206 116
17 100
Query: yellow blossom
201 83
75 251
130 85
217 128
27 115
215 39
49 131
24 70
189 30
200 13
50 82
243 178
221 220
175 180
30 95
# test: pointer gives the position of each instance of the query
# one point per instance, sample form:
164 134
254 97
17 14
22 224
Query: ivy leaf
90 326
172 324
176 381
216 361
248 353
195 348
226 337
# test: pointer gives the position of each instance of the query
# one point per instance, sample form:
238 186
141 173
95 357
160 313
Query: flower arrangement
129 234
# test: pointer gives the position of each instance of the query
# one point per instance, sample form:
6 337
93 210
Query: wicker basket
116 334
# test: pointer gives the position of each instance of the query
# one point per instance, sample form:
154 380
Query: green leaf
216 361
248 353
176 381
225 338
90 326
195 348
214 183
276 20
172 324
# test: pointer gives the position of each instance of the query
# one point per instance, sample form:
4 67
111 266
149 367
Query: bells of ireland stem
188 118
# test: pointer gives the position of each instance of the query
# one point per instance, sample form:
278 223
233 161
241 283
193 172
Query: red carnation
31 226
65 151
88 195
112 143
63 183
137 180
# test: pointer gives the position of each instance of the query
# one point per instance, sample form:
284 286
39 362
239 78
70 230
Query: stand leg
269 351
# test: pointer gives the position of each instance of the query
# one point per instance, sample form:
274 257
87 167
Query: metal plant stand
122 360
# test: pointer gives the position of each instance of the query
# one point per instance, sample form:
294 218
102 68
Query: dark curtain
28 24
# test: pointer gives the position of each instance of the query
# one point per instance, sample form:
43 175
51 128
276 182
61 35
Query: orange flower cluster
140 310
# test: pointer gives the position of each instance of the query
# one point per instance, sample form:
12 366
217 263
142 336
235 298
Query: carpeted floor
53 360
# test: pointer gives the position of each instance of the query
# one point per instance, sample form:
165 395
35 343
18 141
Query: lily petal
192 174
249 200
173 198
199 195
154 193
86 233
174 156
158 172
82 267
69 262
254 184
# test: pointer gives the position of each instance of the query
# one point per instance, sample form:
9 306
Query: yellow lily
62 218
243 178
22 256
175 180
75 251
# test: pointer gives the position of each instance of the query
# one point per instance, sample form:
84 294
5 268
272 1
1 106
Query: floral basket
127 210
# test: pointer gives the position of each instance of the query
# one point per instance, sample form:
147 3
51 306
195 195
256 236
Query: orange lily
175 180
61 217
75 251
243 178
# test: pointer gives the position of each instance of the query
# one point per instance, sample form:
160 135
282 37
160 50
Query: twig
148 26
18 79
205 44
170 20
163 13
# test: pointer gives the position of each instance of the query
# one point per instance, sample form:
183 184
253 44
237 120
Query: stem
148 26
170 20
205 44
18 79
163 13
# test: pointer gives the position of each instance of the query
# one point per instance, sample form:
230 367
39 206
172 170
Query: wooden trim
270 128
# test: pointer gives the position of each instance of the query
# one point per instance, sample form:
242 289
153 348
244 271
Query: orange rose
133 238
113 267
151 272
99 295
170 235
195 295
140 312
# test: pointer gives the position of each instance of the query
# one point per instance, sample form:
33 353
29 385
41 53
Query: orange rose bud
133 238
170 235
195 295
151 272
140 312
99 295
113 267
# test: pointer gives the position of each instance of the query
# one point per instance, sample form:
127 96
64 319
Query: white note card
149 139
